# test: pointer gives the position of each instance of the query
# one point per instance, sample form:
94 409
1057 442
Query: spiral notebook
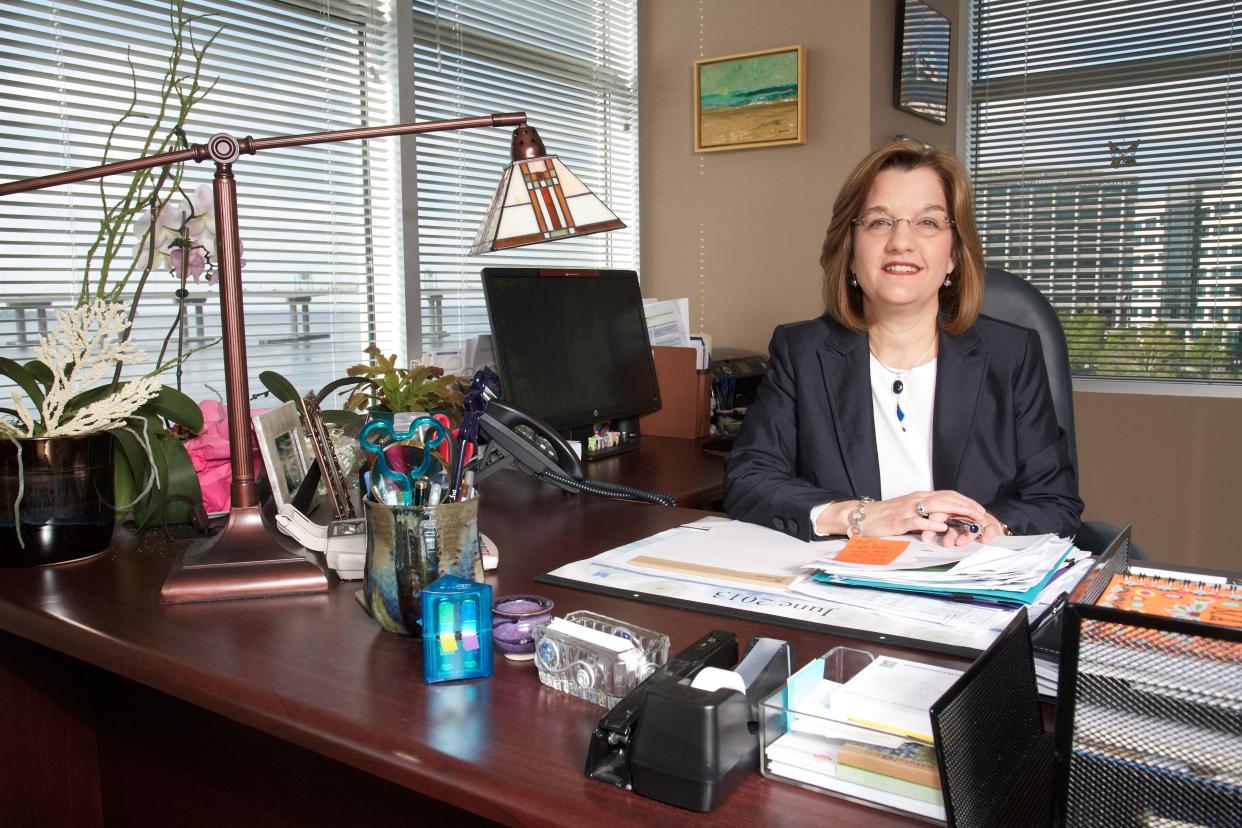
1214 601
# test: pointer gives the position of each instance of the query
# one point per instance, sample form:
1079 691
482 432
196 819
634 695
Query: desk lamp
547 203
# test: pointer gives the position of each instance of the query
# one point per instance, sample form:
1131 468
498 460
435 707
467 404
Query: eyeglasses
925 226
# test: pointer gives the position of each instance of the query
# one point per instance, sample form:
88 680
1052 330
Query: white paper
857 791
893 694
668 322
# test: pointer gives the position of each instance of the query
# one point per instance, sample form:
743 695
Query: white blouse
905 456
905 446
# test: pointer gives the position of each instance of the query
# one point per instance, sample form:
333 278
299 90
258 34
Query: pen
963 523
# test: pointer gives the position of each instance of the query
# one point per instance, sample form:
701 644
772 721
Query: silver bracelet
856 517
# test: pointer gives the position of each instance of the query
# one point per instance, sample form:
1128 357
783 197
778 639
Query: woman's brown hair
961 301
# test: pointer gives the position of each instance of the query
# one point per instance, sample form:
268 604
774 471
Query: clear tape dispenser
596 658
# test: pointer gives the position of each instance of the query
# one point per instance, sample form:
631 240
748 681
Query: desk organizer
992 760
1149 718
589 669
457 624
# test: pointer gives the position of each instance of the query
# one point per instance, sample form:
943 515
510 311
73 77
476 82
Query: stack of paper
1010 570
869 738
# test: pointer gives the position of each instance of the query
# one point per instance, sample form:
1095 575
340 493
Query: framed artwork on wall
750 100
921 64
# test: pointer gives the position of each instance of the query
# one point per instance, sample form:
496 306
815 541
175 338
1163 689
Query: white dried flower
86 340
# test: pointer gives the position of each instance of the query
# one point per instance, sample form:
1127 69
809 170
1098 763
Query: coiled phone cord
596 487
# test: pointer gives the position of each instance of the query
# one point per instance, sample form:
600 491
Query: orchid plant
184 242
66 398
65 391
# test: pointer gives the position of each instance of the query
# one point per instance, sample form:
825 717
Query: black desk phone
512 438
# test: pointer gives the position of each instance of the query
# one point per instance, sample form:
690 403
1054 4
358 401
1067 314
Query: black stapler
684 745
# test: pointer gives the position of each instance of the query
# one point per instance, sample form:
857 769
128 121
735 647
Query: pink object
209 452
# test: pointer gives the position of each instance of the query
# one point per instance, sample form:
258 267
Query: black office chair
1013 299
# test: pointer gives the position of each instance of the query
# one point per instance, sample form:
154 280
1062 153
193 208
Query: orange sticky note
874 551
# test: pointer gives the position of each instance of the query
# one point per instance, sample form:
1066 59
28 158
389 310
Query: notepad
873 551
1174 597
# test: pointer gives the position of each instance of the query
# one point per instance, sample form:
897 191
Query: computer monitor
571 348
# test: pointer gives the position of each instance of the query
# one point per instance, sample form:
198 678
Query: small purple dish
513 623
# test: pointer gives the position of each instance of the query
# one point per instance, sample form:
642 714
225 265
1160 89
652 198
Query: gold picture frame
751 100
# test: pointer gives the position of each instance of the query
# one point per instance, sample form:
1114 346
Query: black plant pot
66 509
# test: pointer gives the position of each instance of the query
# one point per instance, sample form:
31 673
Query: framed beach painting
751 100
921 70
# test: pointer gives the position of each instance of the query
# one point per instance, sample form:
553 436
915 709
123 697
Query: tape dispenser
687 745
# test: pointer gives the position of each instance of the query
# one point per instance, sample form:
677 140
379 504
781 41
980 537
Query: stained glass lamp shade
539 200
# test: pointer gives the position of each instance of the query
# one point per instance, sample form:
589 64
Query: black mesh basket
1149 721
995 759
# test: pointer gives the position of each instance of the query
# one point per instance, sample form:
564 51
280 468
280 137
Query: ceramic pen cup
408 547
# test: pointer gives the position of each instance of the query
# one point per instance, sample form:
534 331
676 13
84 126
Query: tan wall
1169 465
739 234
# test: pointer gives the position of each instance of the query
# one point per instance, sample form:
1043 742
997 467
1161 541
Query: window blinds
1107 161
571 65
317 222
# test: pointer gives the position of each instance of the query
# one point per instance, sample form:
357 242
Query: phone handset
506 446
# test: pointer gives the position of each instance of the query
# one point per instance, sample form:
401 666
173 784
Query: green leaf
280 387
90 395
342 418
180 481
342 382
24 379
40 372
130 476
175 406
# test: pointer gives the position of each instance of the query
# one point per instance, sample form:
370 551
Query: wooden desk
677 467
295 711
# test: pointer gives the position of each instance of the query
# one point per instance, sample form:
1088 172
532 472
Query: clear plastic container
589 669
804 746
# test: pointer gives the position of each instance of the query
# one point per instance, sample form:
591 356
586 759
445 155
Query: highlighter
447 636
470 632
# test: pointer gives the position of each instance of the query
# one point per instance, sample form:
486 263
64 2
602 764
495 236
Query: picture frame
282 443
921 61
750 100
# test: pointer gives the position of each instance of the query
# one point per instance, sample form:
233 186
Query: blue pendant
901 416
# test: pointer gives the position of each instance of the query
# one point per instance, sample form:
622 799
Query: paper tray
992 757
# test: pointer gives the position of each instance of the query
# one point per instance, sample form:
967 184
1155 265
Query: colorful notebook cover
912 762
1175 598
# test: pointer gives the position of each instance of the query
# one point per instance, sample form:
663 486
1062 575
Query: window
1103 145
317 223
571 66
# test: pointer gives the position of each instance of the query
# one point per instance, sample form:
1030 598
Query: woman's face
903 245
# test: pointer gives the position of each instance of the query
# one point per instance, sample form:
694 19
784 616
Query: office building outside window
1103 142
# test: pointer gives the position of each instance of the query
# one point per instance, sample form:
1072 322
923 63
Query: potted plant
57 483
425 388
70 429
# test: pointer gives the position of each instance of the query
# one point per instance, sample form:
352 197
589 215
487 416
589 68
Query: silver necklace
898 376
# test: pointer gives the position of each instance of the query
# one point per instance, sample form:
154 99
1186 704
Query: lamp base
242 561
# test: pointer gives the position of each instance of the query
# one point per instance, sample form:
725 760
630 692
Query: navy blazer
809 437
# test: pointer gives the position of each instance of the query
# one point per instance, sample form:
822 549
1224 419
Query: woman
901 409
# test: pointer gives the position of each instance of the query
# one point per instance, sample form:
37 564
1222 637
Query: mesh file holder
995 759
1149 721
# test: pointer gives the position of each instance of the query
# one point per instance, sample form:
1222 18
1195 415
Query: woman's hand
921 513
990 528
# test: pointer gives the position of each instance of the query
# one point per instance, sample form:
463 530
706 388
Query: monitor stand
628 429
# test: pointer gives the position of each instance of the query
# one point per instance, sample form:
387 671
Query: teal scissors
436 435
